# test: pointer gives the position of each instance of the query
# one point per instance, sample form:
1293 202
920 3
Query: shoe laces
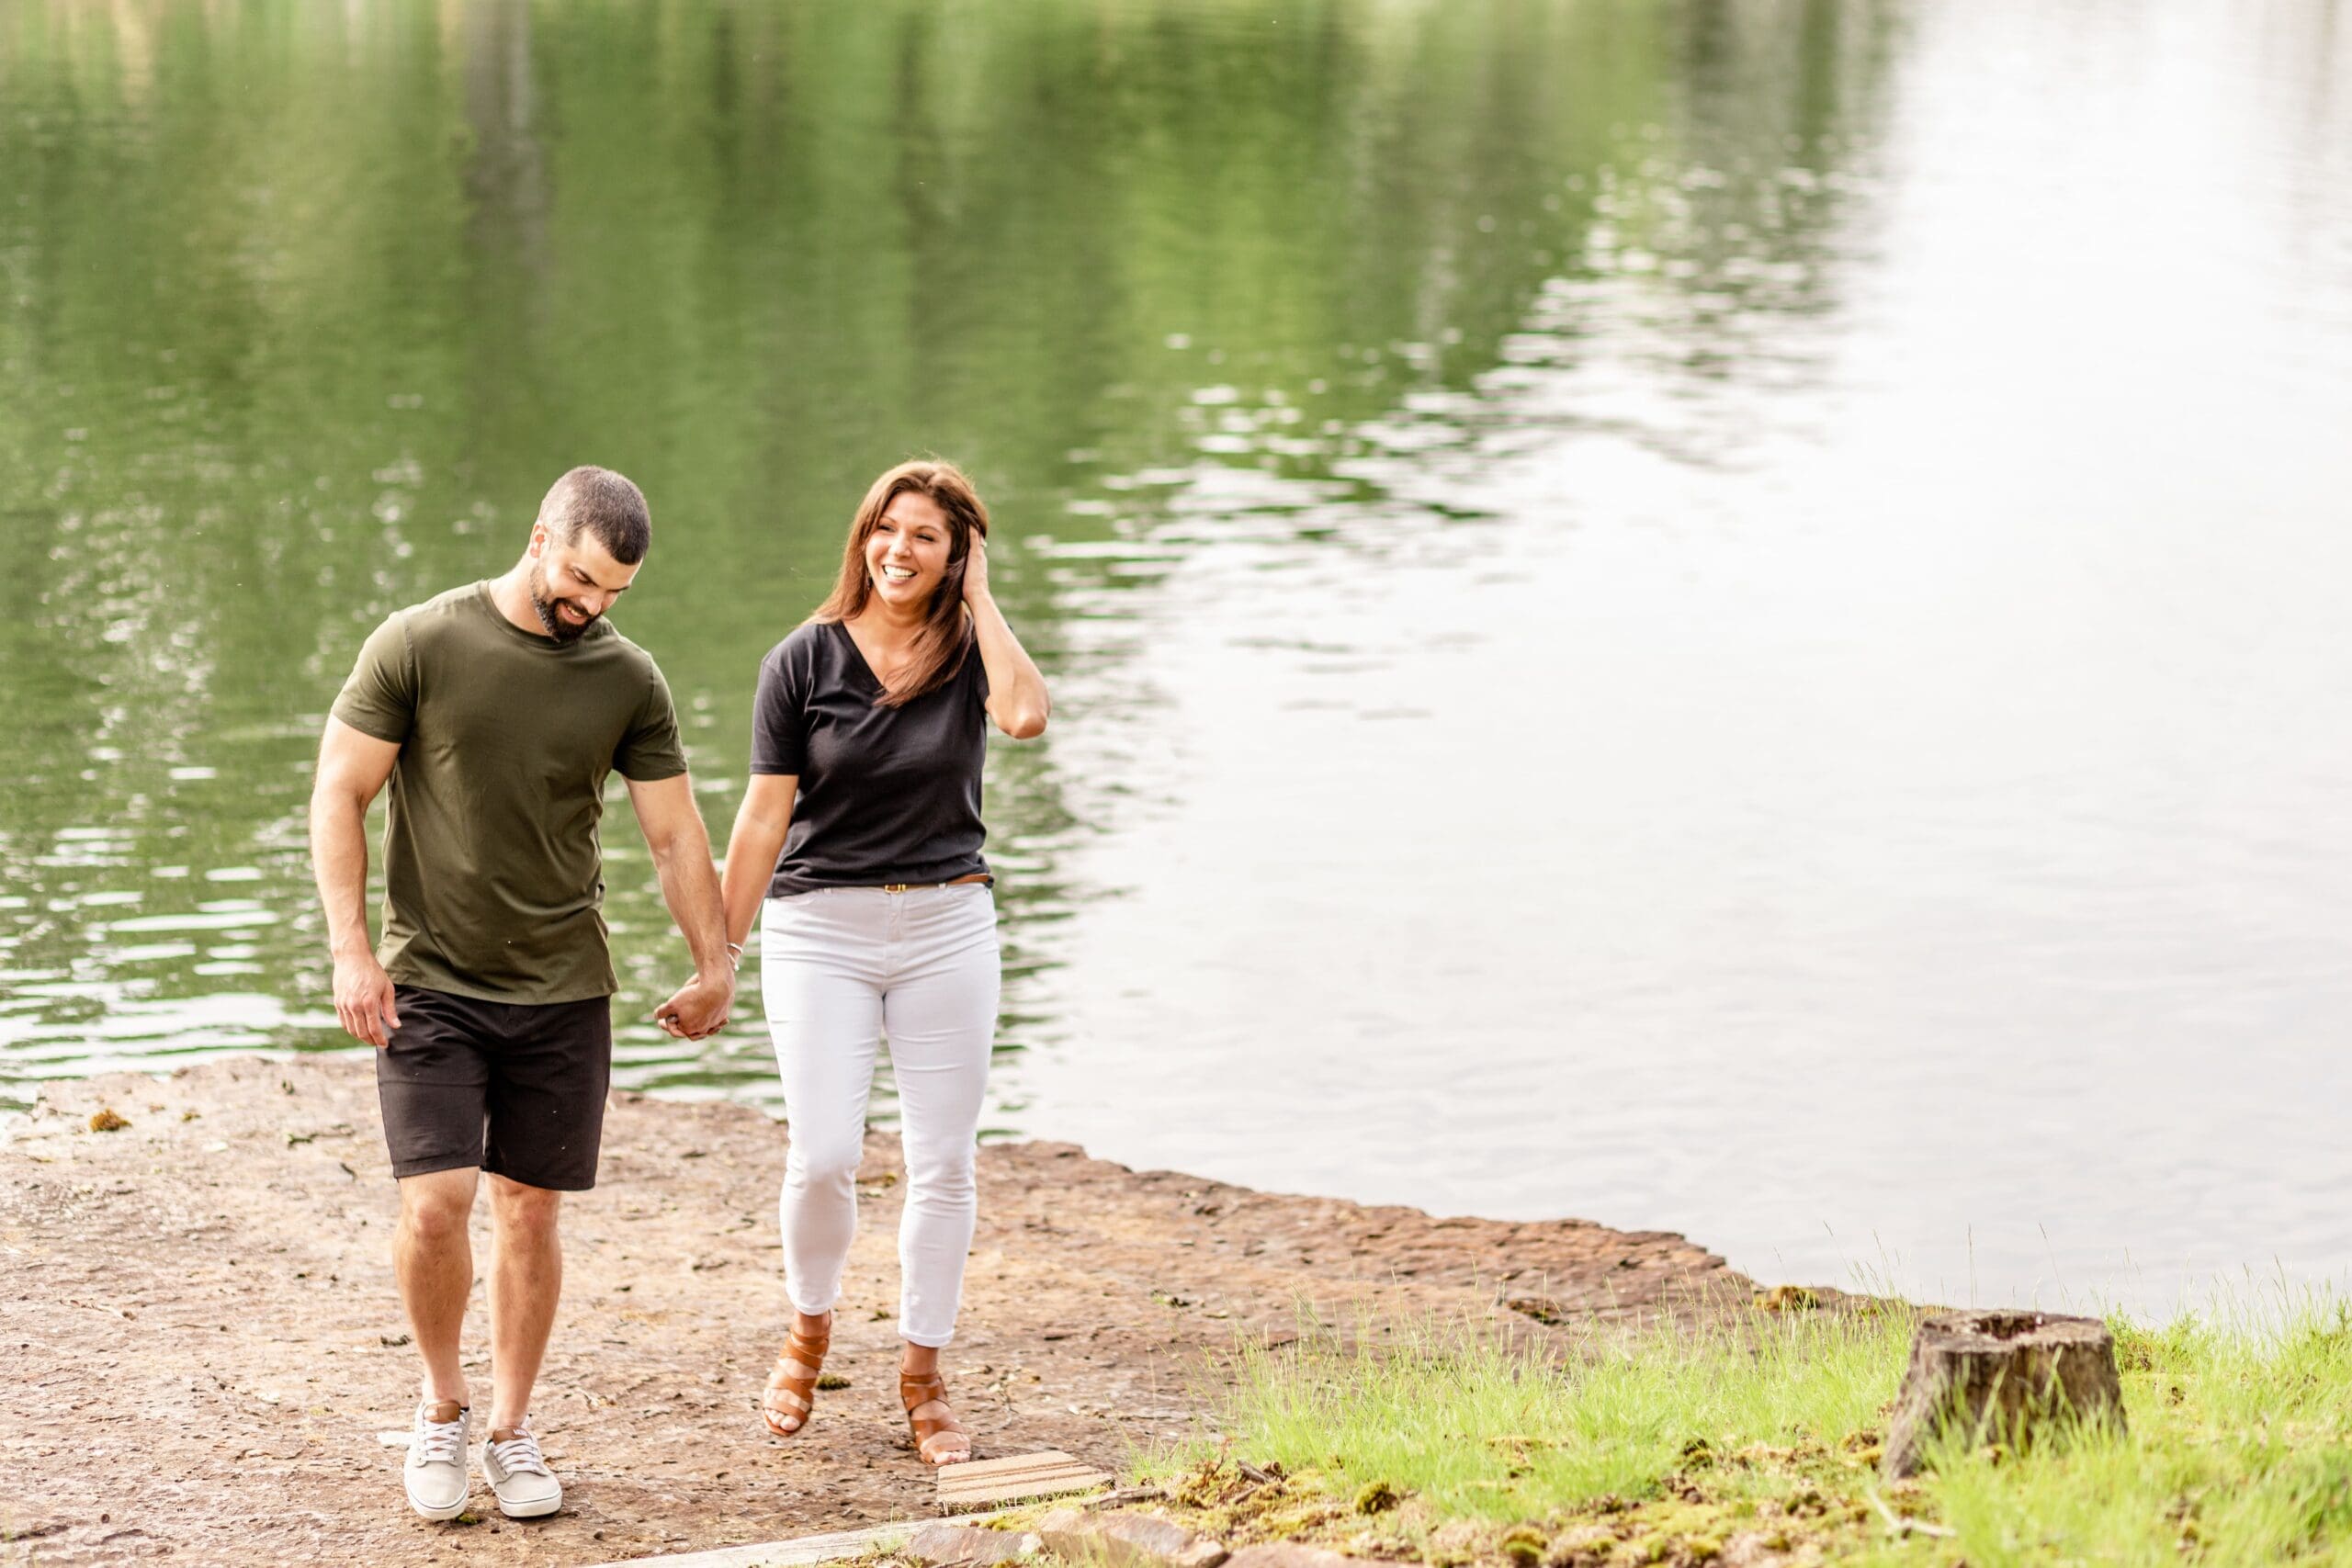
440 1443
520 1453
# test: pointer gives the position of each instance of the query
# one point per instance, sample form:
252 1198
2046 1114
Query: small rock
966 1543
1461 1541
108 1121
1580 1545
1127 1540
1288 1554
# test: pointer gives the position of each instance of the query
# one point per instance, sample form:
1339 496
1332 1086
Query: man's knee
523 1208
435 1207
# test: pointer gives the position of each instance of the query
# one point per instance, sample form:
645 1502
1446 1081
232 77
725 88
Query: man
496 710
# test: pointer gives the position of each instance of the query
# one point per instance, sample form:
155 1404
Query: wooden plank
799 1553
1051 1476
993 1482
1011 1464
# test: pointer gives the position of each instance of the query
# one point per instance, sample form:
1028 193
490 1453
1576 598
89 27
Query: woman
861 832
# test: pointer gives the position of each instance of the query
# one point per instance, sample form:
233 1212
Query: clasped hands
697 1009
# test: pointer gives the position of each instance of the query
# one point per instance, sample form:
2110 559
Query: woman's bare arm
1017 699
760 824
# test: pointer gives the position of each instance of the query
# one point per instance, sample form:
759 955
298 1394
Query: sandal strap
920 1390
916 1392
790 1391
807 1350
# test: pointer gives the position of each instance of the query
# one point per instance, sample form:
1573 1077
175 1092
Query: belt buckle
898 888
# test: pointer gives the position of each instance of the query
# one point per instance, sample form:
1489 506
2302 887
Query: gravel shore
206 1345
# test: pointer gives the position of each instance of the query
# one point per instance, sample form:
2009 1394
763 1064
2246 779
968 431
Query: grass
1758 1441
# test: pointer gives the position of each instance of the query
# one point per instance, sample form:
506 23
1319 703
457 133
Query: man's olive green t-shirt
492 873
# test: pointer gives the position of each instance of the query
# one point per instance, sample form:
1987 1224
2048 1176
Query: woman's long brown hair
946 639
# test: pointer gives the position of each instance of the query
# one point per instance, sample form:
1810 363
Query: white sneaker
436 1473
518 1472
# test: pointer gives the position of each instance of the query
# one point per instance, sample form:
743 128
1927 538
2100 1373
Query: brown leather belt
956 882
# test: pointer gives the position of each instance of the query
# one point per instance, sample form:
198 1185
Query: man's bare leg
526 1279
434 1260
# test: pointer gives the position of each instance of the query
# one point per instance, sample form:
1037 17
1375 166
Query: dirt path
203 1341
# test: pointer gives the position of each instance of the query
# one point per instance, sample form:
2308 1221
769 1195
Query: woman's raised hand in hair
976 572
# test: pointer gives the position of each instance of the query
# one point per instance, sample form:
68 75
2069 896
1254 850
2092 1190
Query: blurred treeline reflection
301 306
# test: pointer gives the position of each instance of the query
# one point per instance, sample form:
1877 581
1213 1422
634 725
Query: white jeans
839 968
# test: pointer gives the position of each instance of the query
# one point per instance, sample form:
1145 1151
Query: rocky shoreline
208 1349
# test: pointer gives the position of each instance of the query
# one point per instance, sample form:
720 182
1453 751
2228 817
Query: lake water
1713 616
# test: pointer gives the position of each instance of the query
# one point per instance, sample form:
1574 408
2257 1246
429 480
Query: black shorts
518 1090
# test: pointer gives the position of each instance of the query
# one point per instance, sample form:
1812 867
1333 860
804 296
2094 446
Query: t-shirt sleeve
651 748
779 715
379 699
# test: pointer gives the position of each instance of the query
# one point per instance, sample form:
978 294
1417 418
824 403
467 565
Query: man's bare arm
680 845
353 767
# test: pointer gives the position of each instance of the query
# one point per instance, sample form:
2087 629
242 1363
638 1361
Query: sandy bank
203 1343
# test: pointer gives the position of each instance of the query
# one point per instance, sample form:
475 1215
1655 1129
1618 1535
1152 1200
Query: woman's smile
906 554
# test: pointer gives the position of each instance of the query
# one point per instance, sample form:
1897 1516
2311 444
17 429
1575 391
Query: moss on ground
1758 1440
1768 1504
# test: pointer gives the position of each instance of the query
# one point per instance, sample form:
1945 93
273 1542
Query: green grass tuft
1761 1433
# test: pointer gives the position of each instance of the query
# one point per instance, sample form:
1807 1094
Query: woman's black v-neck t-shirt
886 794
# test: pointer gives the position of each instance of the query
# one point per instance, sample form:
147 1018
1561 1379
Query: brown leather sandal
941 1440
792 1387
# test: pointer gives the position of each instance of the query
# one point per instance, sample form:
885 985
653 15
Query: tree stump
1999 1377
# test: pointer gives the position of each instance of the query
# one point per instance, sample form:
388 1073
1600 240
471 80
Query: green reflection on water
301 308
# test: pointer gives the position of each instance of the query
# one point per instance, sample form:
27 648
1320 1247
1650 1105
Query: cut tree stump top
2001 1377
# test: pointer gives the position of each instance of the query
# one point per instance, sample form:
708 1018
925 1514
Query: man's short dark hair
605 504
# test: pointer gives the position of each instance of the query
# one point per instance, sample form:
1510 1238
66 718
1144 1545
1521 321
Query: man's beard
557 626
